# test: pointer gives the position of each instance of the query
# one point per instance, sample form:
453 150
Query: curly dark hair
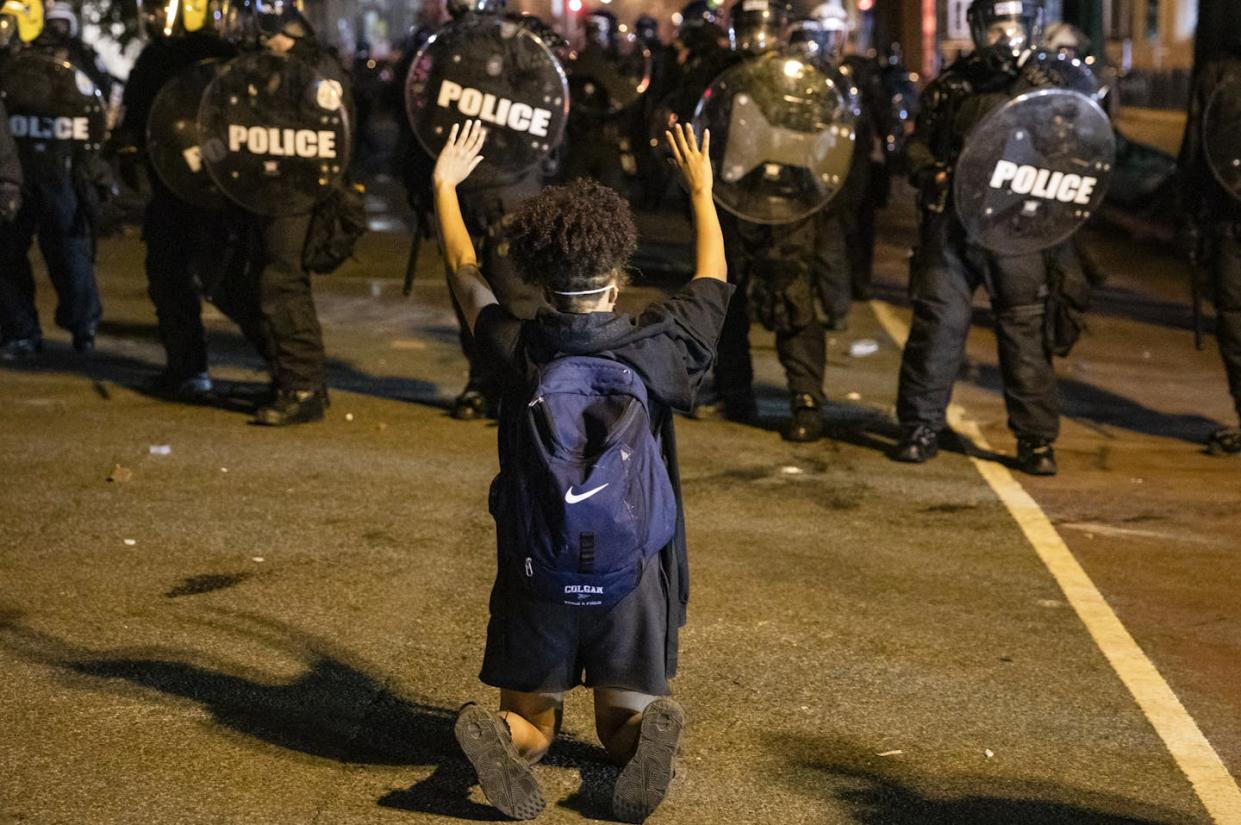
574 237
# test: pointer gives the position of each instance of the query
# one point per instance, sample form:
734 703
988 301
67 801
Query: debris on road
257 559
161 449
854 396
891 753
348 416
130 542
120 474
863 348
990 754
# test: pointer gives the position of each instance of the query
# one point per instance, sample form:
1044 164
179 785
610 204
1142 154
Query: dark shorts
535 646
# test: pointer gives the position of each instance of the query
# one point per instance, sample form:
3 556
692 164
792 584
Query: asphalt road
277 626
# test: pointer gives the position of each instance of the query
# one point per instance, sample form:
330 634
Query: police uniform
789 277
595 138
61 200
191 251
1217 215
948 268
10 172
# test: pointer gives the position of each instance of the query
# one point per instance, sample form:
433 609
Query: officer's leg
19 322
288 306
1226 275
170 237
66 239
862 260
941 286
831 265
734 369
229 278
1019 302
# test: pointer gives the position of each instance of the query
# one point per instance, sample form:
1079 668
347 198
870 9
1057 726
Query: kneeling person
592 576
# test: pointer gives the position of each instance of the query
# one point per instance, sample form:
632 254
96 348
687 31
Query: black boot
21 349
1226 441
1036 457
292 407
471 405
918 445
195 388
742 409
806 425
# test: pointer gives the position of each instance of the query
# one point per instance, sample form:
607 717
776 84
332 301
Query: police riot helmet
823 34
60 22
1004 30
756 26
700 27
281 17
23 18
460 8
647 29
601 28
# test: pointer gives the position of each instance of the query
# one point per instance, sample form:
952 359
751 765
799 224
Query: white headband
584 292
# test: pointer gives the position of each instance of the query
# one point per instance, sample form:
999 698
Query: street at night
278 626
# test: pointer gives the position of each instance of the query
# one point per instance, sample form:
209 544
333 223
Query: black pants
287 303
52 211
1226 288
784 253
192 254
946 271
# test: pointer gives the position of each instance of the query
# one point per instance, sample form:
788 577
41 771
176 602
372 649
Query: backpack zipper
529 567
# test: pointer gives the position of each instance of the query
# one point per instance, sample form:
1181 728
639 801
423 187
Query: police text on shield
519 117
1043 183
289 143
49 128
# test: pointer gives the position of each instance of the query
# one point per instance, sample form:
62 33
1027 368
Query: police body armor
1033 170
606 82
56 113
487 68
782 138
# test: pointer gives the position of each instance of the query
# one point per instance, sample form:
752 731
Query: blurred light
865 5
623 28
677 18
792 68
575 5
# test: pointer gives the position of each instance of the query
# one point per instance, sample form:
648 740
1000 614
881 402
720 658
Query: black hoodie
671 346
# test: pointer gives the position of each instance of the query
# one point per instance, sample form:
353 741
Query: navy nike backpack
584 497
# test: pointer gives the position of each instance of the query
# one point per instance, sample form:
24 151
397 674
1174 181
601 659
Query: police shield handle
520 117
1043 183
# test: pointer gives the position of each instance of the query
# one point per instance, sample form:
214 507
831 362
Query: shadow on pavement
336 709
1081 400
876 795
227 350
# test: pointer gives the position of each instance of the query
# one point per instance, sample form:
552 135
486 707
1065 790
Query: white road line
1194 755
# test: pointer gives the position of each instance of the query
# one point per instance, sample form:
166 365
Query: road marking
1195 756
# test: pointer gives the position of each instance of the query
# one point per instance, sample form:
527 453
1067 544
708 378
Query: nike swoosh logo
573 498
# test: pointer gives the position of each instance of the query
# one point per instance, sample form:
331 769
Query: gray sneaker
507 780
644 782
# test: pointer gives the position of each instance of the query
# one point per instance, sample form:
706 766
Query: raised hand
460 155
694 162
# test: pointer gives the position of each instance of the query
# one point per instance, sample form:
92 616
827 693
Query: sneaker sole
507 780
644 782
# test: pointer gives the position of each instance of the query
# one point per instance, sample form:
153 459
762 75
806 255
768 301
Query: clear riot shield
490 69
55 111
1067 73
1221 135
173 144
276 133
782 138
605 82
1033 171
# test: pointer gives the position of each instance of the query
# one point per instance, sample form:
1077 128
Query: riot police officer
192 251
772 266
64 187
286 300
484 208
948 267
1214 215
597 144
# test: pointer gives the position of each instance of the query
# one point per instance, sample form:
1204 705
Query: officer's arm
920 149
457 160
1189 165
